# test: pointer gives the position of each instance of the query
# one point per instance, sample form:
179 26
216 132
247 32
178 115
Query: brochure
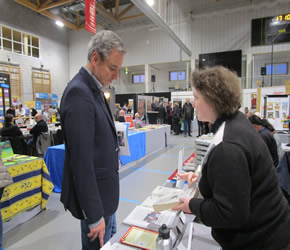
141 238
122 138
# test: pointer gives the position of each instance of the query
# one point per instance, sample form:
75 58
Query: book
171 199
140 237
147 218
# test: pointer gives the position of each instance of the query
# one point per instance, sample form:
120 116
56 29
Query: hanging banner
91 23
38 105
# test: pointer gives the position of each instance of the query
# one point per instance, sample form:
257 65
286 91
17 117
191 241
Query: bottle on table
163 241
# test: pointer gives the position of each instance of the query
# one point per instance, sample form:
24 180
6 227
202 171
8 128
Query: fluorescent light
150 2
59 23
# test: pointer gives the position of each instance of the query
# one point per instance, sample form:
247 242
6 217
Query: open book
147 218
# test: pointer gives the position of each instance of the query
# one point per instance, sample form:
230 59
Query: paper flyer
122 138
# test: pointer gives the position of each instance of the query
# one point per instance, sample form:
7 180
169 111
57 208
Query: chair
42 143
17 143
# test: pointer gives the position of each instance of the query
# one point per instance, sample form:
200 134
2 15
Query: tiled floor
55 229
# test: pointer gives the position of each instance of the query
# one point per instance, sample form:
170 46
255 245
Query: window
176 75
278 69
140 78
18 42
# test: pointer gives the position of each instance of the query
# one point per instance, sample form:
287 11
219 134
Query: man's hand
184 205
189 176
98 232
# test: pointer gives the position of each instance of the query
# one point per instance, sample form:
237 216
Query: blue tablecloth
54 157
54 160
137 145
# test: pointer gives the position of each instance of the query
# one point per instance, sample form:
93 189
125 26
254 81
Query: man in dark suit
90 187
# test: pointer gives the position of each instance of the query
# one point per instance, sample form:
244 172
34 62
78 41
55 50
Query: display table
201 240
137 145
54 159
157 138
31 188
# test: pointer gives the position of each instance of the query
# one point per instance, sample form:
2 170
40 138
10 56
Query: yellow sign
30 104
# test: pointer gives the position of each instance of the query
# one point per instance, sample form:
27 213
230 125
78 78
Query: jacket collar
90 81
92 85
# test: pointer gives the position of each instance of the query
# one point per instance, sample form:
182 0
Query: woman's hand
189 176
184 205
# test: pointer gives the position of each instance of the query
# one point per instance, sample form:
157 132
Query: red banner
91 23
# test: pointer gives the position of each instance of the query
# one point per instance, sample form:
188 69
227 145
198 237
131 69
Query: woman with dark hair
241 199
265 129
9 129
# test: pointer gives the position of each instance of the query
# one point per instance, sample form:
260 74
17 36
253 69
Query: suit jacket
90 185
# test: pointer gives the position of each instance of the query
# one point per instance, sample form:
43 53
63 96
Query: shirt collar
99 85
217 124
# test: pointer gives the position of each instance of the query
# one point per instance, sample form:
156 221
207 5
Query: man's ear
95 59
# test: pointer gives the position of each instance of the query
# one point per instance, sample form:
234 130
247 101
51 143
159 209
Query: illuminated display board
264 30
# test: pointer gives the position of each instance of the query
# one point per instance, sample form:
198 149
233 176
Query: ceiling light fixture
59 23
150 2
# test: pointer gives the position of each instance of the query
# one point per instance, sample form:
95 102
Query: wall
53 47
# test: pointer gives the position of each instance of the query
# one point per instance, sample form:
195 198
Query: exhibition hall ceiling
72 12
122 14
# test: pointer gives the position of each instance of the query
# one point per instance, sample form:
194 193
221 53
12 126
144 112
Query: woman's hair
220 87
8 119
254 119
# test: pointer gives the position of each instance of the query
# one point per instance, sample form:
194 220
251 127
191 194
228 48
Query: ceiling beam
56 4
78 19
38 3
46 13
131 17
102 11
46 3
82 26
117 4
125 10
155 18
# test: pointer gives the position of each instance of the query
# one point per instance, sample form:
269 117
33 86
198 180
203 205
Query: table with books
29 192
139 229
54 157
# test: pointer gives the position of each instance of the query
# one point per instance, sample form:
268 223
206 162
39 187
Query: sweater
242 203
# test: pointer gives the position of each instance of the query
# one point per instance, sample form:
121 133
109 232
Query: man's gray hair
103 42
